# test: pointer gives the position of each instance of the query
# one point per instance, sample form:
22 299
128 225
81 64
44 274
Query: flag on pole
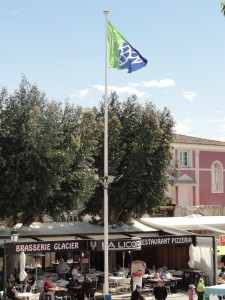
121 54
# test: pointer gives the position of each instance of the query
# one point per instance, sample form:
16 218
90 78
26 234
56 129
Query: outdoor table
61 283
18 287
215 289
78 288
193 271
173 278
156 280
25 294
58 289
148 276
116 280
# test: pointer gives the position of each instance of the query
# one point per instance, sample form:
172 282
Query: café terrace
157 241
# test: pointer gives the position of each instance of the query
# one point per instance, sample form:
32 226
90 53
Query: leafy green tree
222 5
45 155
139 149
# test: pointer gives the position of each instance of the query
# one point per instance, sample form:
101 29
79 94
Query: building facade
201 177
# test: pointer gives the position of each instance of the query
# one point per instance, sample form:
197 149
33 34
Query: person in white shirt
165 273
75 270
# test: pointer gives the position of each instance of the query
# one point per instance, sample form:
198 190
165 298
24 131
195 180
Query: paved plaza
175 296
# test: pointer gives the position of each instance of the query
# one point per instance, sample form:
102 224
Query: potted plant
167 205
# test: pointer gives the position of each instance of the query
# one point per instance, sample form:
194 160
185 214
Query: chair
206 280
125 285
148 288
39 285
100 281
58 297
44 296
178 273
172 271
34 296
112 286
167 285
90 293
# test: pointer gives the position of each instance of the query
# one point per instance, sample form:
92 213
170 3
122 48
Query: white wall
203 257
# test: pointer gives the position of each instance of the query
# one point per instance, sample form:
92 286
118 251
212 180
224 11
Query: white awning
181 225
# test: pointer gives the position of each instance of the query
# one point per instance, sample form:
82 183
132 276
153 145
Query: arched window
217 177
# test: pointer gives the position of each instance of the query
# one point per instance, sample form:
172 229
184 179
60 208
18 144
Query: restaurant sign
97 245
115 245
167 240
33 247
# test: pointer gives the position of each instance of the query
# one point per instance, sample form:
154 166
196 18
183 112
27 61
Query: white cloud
121 90
190 96
99 87
132 88
217 121
181 128
80 93
159 83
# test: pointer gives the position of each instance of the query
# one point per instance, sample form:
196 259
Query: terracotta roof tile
185 139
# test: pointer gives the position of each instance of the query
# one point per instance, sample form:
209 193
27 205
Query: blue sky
60 46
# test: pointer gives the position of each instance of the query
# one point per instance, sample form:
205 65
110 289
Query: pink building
201 178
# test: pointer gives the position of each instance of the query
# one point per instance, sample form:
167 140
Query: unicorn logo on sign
93 245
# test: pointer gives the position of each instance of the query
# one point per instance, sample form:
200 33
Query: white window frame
185 162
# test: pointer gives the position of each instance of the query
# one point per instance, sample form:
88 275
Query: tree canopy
49 153
45 155
139 150
222 4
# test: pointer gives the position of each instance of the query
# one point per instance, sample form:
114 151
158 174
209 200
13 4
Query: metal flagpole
106 250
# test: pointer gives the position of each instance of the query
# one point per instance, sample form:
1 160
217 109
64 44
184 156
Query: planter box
165 208
158 215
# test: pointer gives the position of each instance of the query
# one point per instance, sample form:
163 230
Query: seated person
222 273
12 293
26 287
48 288
157 273
75 288
135 295
160 291
165 273
31 278
88 287
11 280
147 271
17 278
75 270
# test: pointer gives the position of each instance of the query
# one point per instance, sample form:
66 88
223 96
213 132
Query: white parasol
191 262
23 274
